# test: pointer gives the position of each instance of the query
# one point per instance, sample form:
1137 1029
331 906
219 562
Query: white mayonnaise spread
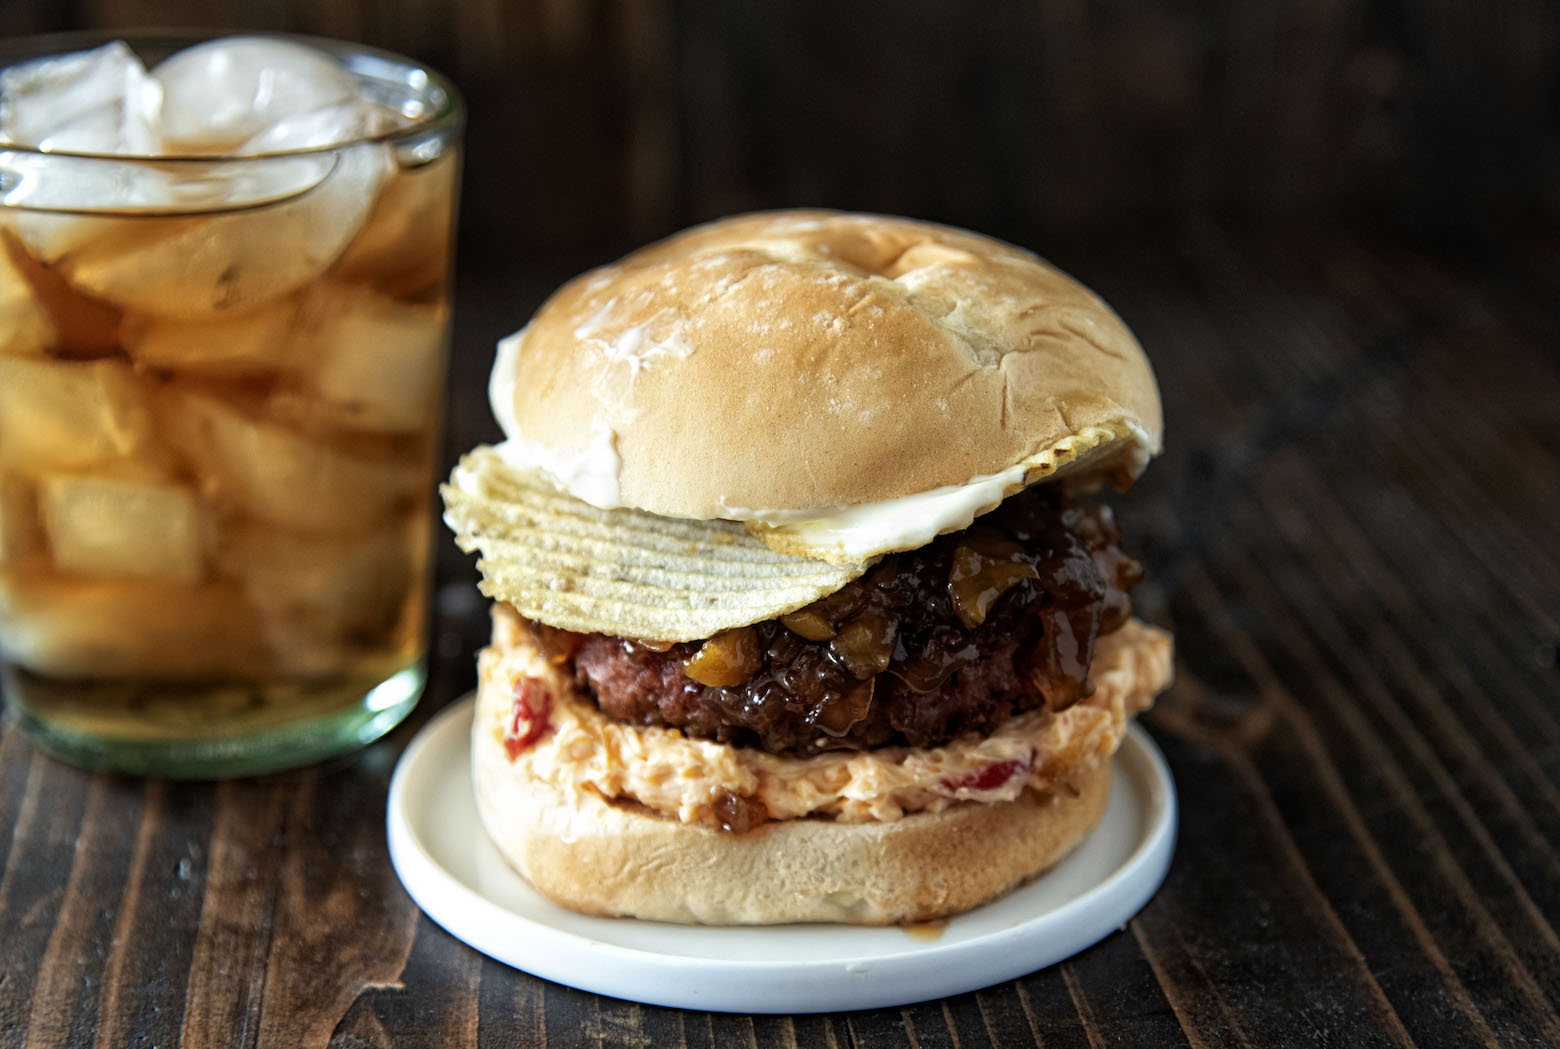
912 521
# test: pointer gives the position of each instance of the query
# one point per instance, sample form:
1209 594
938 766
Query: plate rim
1110 903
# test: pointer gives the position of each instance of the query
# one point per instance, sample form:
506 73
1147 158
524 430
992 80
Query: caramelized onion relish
930 644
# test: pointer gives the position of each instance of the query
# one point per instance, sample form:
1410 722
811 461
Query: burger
805 606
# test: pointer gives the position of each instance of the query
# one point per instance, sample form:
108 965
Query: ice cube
231 260
340 585
318 128
25 327
272 339
405 244
72 415
98 101
220 94
103 527
266 225
272 473
20 536
38 309
205 238
333 606
105 628
378 365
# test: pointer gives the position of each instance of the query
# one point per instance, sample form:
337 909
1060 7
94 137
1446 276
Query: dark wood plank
1333 844
43 853
930 1026
1265 556
226 979
435 1001
1051 1016
1005 1018
341 925
16 770
1471 746
879 1027
1439 888
144 992
1470 780
511 1009
1119 996
1263 875
78 975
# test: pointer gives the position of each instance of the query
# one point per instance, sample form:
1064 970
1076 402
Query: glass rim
448 111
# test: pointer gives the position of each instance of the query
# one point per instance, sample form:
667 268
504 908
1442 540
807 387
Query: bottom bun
620 859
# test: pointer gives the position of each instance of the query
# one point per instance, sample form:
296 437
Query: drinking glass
221 372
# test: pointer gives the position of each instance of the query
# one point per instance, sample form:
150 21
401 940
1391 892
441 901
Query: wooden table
1353 532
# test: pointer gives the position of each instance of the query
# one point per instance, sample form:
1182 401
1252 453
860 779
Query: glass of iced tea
224 301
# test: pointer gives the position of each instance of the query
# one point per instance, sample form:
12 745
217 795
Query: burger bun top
797 361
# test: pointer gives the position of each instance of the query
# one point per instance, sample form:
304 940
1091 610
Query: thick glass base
207 730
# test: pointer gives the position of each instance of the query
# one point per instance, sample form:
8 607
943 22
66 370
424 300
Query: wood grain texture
1334 228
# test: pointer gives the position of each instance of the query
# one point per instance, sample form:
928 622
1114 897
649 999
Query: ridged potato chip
568 564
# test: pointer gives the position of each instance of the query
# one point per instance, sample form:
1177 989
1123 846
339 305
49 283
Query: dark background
598 125
1335 226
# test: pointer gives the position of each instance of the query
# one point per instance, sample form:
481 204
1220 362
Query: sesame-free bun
810 359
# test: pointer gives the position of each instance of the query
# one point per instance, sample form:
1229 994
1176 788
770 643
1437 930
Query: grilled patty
933 643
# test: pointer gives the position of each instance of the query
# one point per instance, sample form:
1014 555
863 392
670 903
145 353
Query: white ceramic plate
452 870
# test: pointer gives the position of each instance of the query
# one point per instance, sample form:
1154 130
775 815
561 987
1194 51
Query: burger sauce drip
930 644
529 716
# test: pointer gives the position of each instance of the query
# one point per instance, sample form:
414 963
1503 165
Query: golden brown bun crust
798 360
617 860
